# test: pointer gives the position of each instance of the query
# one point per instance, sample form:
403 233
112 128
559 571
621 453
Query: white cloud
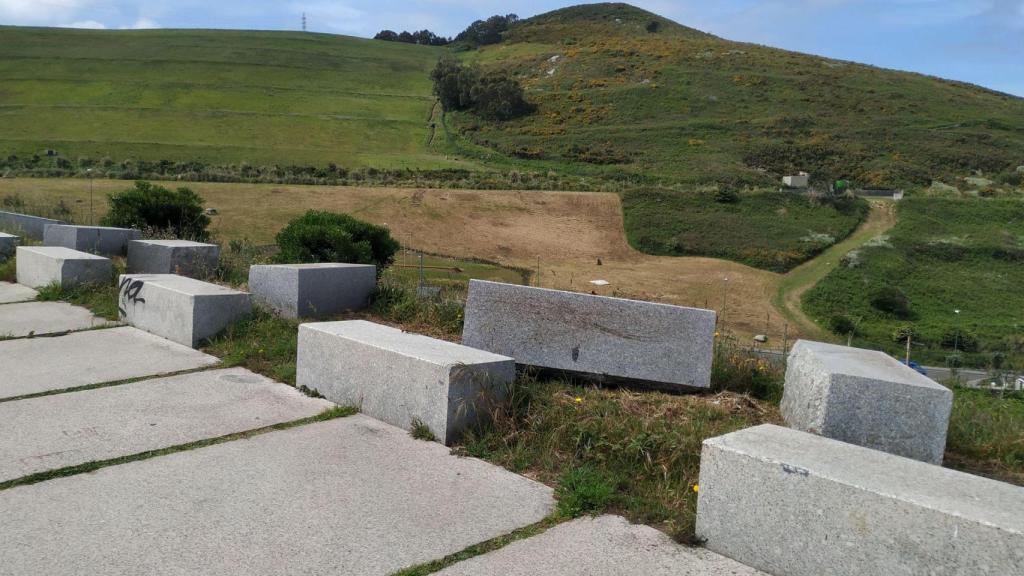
92 24
143 23
39 11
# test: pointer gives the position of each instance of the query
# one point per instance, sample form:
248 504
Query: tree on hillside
484 32
492 96
495 96
423 37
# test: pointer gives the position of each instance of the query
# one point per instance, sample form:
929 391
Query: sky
978 41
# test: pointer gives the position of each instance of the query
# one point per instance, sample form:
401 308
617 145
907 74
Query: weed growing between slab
483 547
985 435
107 384
328 414
421 431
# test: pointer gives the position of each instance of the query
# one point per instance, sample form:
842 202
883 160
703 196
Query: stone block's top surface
407 344
78 227
59 252
859 363
175 243
318 266
182 284
594 300
956 493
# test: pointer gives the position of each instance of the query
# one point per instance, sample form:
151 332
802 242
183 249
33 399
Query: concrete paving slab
603 546
39 318
31 366
51 432
348 496
16 293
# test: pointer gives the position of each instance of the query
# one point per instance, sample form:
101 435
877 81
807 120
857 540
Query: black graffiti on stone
128 291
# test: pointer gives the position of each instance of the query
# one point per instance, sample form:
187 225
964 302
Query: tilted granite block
91 239
182 257
797 504
657 344
312 290
183 310
8 242
31 226
39 266
399 377
866 398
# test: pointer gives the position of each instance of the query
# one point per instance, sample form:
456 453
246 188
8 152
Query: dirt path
798 281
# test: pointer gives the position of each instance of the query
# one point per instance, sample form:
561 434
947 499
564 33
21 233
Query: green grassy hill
215 96
944 254
619 89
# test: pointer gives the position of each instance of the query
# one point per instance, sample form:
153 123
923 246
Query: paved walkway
36 365
124 420
15 293
343 496
44 318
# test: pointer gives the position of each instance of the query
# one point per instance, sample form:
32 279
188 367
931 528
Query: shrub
901 333
319 236
727 196
960 340
147 206
842 324
891 300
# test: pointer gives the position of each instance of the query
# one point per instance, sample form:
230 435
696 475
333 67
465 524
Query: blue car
916 367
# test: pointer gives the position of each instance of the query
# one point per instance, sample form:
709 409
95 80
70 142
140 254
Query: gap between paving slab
54 432
45 318
347 496
14 293
602 546
39 365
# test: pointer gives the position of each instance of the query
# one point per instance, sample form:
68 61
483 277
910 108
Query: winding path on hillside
798 281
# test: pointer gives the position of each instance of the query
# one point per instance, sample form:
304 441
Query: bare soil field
567 233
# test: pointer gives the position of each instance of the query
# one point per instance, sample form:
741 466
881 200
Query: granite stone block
797 504
39 266
8 242
312 290
658 345
92 239
182 257
31 226
184 310
866 398
399 378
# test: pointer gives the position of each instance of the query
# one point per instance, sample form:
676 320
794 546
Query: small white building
801 180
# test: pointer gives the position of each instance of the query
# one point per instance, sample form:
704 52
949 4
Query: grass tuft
421 431
482 548
613 450
584 489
